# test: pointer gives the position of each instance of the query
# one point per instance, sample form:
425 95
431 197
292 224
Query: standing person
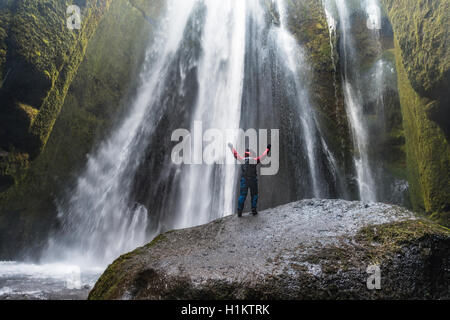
249 177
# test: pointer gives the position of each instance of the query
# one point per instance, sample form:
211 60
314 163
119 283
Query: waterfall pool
56 281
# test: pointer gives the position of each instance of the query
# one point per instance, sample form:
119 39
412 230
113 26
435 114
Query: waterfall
214 64
367 78
208 189
98 221
332 29
351 81
295 59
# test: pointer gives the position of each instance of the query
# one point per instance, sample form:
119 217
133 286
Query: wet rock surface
303 250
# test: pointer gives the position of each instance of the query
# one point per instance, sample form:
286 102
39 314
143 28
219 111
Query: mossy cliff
104 79
422 28
422 55
39 58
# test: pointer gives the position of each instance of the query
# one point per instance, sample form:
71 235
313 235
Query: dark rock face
304 250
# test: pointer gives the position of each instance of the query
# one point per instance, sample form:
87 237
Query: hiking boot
239 213
254 212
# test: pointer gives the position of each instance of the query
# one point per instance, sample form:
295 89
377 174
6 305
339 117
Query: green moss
50 109
442 218
112 279
421 28
14 164
376 245
385 240
159 238
45 56
5 18
29 111
421 32
427 150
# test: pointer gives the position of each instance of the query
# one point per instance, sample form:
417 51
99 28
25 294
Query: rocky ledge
312 249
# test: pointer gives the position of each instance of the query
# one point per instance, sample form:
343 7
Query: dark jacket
249 164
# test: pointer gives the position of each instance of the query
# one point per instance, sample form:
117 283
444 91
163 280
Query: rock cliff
423 66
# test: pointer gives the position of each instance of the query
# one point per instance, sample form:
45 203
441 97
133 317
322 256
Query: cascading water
353 100
322 164
381 80
295 60
98 211
332 28
107 213
368 78
227 80
220 78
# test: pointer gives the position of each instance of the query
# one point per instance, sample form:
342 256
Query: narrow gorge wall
95 93
422 55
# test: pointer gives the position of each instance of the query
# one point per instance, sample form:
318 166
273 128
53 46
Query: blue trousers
252 184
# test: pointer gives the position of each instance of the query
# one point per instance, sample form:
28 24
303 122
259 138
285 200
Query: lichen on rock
39 57
428 150
421 28
422 58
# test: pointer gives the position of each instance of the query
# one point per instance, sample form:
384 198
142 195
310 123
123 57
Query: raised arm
261 157
235 153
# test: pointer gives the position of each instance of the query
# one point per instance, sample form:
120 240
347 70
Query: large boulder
304 250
